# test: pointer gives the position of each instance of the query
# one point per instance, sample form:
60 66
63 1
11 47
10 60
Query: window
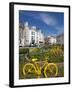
33 37
20 41
33 33
27 40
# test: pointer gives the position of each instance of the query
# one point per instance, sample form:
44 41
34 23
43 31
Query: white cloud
52 21
49 20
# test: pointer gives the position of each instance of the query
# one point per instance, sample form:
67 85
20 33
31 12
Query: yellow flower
34 59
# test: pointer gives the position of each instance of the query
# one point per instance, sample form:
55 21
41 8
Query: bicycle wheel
29 71
51 70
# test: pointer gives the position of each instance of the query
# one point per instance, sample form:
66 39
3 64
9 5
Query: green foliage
52 53
56 59
56 54
23 50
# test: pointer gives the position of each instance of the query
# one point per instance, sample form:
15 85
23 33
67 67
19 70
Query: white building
60 39
29 36
51 40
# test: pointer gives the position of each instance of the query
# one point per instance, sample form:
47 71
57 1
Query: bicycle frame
39 68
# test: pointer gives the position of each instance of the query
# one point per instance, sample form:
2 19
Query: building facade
60 39
30 36
51 40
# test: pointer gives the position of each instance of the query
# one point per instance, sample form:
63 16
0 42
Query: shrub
56 59
23 51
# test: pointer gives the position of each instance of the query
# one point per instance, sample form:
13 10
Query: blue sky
51 23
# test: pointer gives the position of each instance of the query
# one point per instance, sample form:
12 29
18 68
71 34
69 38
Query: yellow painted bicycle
34 68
